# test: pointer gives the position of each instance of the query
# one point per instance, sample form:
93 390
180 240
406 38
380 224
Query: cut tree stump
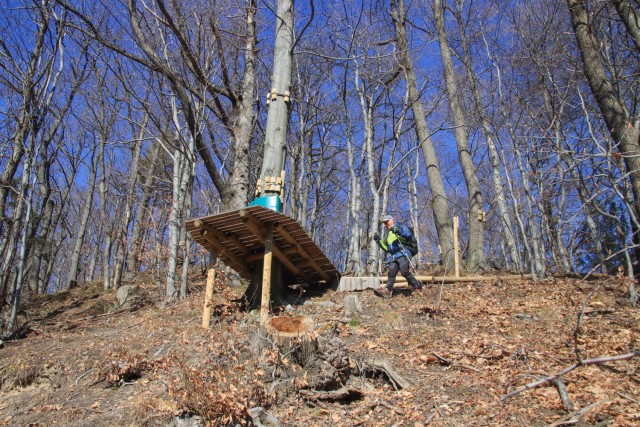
292 336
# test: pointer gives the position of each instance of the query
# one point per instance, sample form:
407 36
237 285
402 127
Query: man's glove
376 237
394 229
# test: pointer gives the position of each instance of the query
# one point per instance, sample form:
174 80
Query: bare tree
121 233
84 223
440 201
193 71
499 189
624 128
476 258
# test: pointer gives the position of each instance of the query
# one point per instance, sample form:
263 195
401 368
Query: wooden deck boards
230 236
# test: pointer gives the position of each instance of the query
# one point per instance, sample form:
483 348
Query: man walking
398 236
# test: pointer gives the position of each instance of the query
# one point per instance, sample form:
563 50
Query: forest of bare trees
122 119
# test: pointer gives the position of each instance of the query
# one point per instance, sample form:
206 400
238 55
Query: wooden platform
237 238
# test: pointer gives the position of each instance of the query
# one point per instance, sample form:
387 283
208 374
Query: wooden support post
206 315
456 247
266 275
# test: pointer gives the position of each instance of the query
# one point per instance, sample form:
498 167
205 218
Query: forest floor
461 348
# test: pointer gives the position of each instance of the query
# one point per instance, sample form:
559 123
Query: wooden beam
289 238
266 275
257 228
225 254
452 279
248 216
290 251
258 255
222 236
254 257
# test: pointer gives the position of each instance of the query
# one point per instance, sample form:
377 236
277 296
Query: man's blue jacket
395 242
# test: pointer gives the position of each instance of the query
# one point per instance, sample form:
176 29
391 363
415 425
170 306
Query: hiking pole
404 252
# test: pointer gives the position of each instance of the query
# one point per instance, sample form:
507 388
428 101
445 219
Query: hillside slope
460 347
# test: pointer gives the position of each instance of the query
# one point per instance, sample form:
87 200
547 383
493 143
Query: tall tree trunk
531 231
412 179
513 260
123 231
367 106
476 258
555 221
278 115
623 129
275 138
105 216
137 235
17 289
39 249
182 181
186 247
25 198
630 18
440 201
354 263
84 223
234 196
305 186
95 253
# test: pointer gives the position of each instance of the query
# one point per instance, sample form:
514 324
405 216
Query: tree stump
293 337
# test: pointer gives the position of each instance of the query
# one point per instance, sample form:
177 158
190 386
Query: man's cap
386 218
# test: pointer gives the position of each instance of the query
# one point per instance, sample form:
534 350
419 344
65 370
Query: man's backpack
412 243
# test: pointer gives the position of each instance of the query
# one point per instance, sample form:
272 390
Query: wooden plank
222 236
283 231
257 228
234 241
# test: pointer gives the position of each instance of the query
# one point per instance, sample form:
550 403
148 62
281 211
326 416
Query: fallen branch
575 417
342 393
627 397
127 327
83 375
258 413
383 365
386 405
454 363
565 371
564 395
576 331
562 391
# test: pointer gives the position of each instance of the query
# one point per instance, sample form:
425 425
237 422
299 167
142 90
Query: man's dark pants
401 264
